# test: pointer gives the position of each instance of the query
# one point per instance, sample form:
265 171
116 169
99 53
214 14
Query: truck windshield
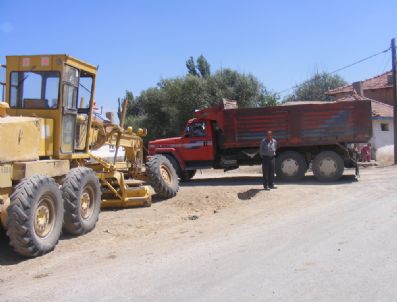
34 89
196 129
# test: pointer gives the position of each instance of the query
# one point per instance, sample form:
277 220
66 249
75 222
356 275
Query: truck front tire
328 166
35 216
162 176
188 175
290 166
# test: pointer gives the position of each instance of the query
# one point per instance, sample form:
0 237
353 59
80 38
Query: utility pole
393 60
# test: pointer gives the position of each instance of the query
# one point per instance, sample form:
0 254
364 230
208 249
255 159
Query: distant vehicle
225 138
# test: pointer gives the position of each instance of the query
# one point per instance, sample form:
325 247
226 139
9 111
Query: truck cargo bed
294 125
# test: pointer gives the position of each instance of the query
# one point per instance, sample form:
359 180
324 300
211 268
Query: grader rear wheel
162 176
35 216
82 196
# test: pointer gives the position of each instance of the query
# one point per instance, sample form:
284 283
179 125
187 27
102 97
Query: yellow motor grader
49 178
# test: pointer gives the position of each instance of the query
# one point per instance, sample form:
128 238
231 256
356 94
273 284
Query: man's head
269 134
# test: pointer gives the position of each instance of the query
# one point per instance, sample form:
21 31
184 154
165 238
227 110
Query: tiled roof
377 82
379 109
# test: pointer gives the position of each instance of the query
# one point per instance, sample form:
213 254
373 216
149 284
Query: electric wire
341 68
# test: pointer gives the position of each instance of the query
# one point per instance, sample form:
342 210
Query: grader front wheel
162 176
35 216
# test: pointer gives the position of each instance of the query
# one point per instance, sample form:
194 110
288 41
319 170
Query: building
379 88
382 122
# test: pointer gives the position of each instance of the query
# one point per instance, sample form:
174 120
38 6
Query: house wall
384 95
381 138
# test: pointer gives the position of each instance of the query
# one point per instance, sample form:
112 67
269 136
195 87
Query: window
2 82
384 127
85 92
197 129
70 79
52 92
34 89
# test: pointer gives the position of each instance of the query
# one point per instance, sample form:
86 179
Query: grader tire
35 216
175 164
81 193
162 176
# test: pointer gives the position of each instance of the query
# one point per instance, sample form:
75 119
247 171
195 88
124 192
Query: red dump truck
308 134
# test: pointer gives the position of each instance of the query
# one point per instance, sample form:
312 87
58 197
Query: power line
342 68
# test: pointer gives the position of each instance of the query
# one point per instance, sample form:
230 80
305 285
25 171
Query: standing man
267 151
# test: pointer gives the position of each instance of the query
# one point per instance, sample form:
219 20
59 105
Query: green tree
203 67
191 67
164 109
314 88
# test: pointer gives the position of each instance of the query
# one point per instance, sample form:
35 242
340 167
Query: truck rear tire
290 166
35 216
328 166
81 193
162 176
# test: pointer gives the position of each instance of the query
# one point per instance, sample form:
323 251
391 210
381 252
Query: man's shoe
273 187
266 188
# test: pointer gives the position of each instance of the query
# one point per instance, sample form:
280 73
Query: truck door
197 144
70 82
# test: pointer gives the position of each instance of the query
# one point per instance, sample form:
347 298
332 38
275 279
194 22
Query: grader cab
49 178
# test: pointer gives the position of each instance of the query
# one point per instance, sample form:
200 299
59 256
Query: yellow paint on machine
46 137
50 168
20 138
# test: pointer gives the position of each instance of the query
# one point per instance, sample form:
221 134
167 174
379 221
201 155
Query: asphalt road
298 243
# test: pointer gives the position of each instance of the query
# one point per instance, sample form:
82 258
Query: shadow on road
7 254
248 194
9 257
257 180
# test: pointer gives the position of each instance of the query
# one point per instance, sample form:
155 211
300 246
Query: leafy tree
191 67
314 88
164 109
203 67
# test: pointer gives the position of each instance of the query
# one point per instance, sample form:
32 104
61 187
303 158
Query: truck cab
194 149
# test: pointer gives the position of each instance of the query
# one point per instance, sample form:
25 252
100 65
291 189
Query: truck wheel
328 166
81 193
290 166
162 176
188 175
35 216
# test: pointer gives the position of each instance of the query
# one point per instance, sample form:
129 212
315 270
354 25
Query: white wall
381 138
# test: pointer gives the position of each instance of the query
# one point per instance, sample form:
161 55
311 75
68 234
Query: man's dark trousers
268 171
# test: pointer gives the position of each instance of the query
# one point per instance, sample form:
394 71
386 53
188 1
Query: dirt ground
212 201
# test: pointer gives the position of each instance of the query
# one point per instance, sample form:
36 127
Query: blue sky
136 43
